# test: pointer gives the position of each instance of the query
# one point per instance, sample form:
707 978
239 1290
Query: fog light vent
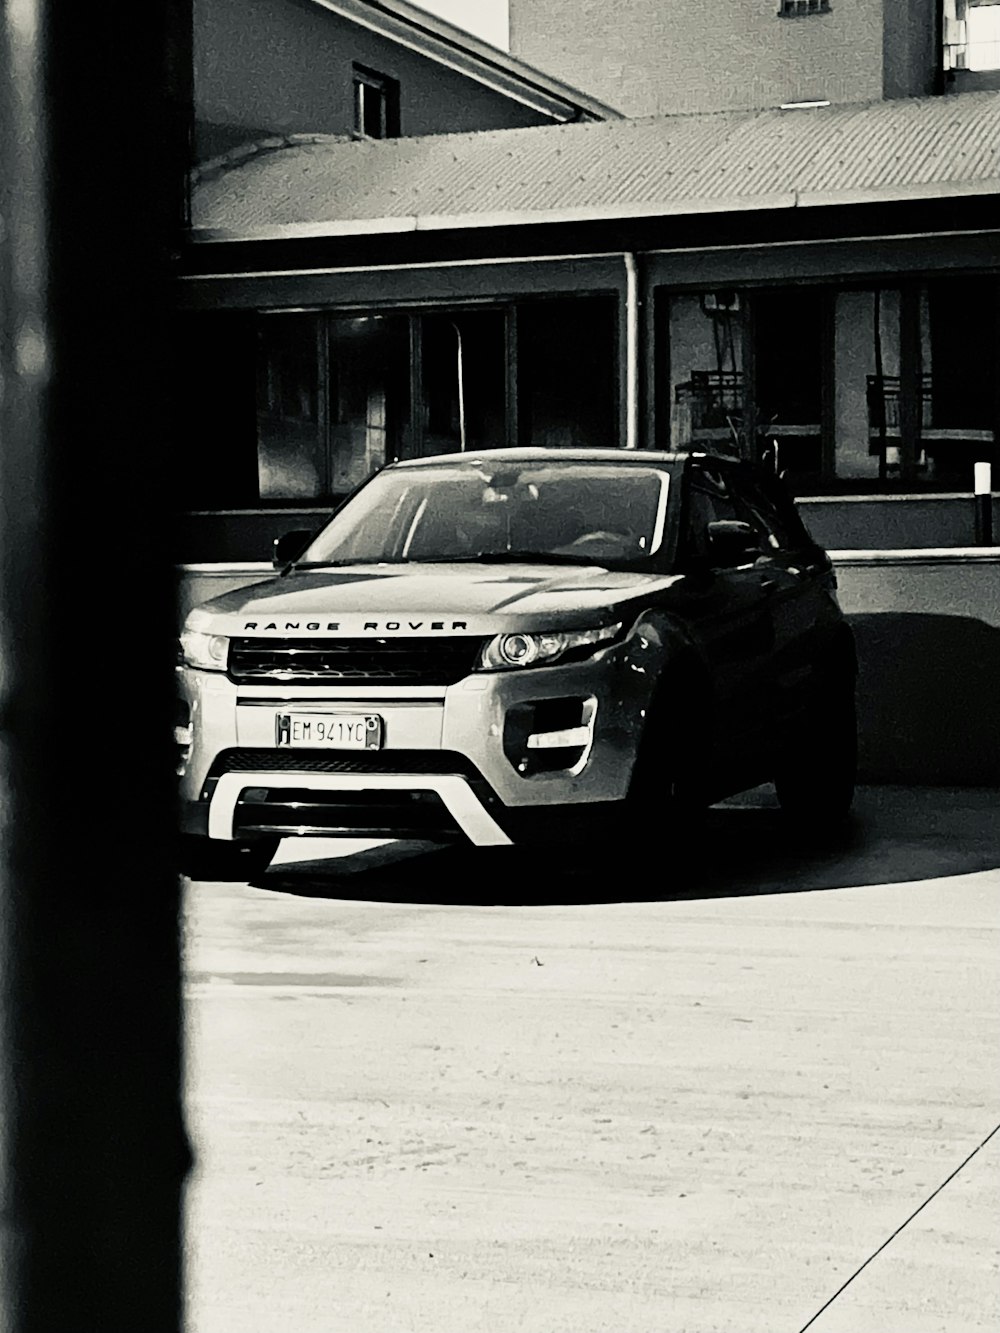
549 735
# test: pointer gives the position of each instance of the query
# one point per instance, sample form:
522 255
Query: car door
727 609
798 583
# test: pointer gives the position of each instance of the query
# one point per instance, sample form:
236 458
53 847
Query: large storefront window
706 393
464 380
332 401
567 372
534 372
299 407
790 351
291 457
290 407
367 396
928 353
841 389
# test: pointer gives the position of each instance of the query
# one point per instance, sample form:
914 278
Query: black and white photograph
500 666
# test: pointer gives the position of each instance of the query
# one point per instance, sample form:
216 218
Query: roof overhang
672 208
450 47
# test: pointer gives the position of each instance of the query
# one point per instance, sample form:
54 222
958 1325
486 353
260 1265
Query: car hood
458 598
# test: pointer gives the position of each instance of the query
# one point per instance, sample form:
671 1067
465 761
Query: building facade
651 58
267 69
865 369
809 286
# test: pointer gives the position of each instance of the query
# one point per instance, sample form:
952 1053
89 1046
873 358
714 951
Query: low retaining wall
889 523
927 625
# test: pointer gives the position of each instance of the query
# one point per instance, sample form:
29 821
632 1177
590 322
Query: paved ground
696 1102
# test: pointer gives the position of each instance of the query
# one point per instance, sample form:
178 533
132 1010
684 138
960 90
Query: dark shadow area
928 699
743 848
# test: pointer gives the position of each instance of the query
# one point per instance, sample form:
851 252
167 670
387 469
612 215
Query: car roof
610 456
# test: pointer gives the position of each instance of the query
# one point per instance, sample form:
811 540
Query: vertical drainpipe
460 373
631 351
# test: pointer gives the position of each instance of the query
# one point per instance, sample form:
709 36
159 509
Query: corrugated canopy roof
904 149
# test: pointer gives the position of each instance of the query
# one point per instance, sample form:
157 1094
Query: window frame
365 80
802 9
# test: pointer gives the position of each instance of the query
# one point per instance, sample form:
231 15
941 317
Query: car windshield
575 513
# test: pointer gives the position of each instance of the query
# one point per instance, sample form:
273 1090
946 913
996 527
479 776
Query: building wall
927 629
651 57
894 522
264 67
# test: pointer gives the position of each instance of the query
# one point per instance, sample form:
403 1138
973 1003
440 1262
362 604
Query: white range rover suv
519 645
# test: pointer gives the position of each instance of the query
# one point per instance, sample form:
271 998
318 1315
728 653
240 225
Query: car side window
709 500
776 534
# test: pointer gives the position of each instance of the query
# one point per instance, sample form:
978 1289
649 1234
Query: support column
910 368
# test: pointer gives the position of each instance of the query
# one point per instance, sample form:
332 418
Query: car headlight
521 649
208 652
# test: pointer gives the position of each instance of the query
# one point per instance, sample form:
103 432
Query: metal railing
714 397
883 395
972 56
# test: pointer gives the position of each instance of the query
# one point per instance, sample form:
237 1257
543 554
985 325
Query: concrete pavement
699 1113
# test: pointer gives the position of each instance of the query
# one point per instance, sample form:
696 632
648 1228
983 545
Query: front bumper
385 804
453 763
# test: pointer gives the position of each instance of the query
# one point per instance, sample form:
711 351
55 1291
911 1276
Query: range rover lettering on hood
369 626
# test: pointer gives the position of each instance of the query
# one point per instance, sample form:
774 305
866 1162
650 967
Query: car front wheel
817 772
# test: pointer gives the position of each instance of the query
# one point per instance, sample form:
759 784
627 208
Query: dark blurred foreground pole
93 1148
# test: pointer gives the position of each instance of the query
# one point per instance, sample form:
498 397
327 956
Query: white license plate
328 731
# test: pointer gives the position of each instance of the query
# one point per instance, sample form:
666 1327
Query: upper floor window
376 104
971 35
797 8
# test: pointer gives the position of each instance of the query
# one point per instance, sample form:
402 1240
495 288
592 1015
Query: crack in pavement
875 1253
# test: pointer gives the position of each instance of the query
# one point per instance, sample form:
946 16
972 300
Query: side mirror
289 547
732 542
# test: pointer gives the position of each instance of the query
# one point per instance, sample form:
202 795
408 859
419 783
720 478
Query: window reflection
567 372
707 384
303 406
290 452
464 381
367 380
847 388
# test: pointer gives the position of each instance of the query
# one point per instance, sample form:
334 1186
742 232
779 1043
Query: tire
816 776
665 758
213 859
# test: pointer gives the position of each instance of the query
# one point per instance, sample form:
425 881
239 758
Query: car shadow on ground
916 723
745 847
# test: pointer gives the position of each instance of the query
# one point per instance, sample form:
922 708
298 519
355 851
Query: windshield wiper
479 558
509 557
344 564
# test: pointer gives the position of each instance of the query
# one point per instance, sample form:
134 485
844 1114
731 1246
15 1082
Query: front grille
389 661
322 761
